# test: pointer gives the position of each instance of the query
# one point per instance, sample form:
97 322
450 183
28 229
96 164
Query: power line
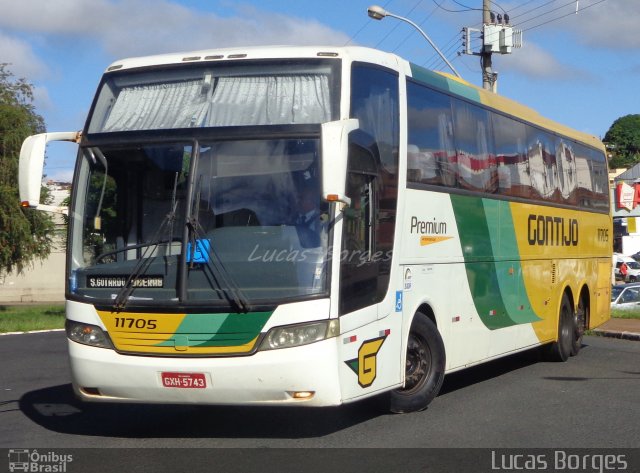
517 7
563 16
439 5
413 31
397 25
465 6
499 6
366 23
533 9
571 2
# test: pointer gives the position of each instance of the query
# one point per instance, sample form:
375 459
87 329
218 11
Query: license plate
184 380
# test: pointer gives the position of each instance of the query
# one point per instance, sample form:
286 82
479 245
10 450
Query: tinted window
510 138
372 186
457 144
474 148
430 150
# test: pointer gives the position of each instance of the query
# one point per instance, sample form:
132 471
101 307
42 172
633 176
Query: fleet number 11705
130 322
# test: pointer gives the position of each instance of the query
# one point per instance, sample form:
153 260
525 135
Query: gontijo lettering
546 230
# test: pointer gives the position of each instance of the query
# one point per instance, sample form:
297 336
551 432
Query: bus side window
357 217
360 267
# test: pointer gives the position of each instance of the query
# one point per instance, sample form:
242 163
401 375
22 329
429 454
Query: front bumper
267 377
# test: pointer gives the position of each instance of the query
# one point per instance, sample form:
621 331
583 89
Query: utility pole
498 36
488 79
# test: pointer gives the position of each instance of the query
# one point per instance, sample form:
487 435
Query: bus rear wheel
425 367
560 350
579 323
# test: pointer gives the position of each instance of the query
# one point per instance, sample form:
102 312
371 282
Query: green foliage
24 234
624 135
625 313
26 318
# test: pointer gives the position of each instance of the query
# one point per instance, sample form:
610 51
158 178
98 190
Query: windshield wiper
145 261
229 287
155 243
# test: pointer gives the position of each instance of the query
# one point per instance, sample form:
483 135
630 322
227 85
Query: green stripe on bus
497 287
508 269
218 330
444 83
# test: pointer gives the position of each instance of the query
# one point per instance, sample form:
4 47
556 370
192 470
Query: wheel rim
418 365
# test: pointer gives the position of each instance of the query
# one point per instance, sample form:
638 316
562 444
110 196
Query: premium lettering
428 227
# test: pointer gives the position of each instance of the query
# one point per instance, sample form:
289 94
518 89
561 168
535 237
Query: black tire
579 324
560 350
424 367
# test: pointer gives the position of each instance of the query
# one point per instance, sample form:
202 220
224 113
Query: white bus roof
358 53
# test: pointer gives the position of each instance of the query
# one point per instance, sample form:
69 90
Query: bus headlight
301 334
87 334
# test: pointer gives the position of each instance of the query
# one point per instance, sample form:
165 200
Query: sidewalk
628 329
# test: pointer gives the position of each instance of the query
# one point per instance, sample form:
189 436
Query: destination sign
114 282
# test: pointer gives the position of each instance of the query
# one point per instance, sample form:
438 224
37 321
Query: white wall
44 280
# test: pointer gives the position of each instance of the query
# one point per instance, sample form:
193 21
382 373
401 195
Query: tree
624 139
25 234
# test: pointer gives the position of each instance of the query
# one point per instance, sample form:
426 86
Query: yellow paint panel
429 240
140 347
558 248
143 332
560 233
124 322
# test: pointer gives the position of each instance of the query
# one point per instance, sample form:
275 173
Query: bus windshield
225 222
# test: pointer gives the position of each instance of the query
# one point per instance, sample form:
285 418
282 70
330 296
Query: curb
621 335
33 331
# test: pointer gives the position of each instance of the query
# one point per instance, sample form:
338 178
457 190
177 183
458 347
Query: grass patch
25 318
625 313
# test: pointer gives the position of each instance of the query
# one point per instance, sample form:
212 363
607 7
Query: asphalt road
593 401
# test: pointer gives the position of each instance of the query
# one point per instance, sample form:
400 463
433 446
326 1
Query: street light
378 13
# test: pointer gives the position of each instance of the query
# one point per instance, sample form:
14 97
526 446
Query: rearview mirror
335 146
31 167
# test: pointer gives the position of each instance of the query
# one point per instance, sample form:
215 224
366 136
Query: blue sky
579 69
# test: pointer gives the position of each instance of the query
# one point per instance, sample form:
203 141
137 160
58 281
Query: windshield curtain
226 223
216 95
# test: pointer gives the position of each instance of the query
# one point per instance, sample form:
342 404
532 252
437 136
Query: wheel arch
427 310
569 292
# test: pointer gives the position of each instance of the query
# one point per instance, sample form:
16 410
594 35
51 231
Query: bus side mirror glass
335 145
31 165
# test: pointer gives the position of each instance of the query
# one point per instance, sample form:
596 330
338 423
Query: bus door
370 344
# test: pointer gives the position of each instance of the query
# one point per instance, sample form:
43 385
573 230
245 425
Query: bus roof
439 80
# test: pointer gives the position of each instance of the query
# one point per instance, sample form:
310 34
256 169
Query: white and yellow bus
317 225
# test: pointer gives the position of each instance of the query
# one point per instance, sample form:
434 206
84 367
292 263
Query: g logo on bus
365 366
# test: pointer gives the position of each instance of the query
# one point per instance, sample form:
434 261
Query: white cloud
57 17
23 61
608 24
537 63
140 27
598 23
41 99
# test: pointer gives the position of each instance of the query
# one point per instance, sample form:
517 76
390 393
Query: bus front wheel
424 367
